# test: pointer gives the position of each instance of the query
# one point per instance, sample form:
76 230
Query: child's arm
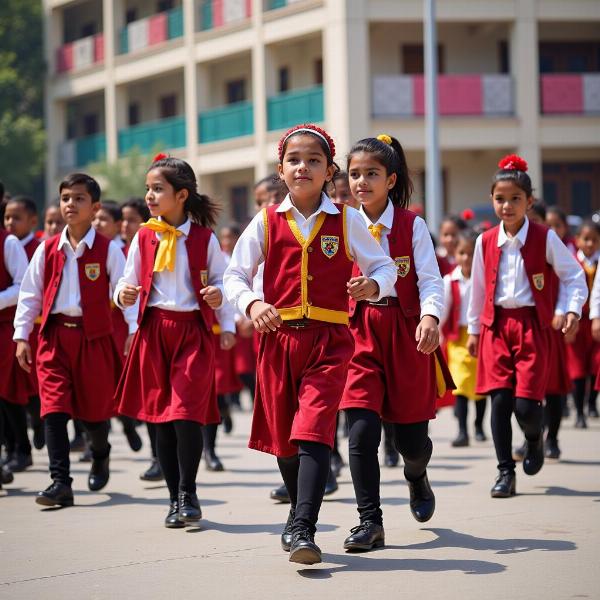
595 307
15 261
477 298
115 267
213 292
128 287
447 300
226 317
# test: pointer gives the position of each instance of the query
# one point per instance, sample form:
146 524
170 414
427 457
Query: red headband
306 128
159 156
513 162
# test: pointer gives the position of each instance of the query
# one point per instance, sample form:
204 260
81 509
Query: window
163 5
235 91
238 195
413 59
130 15
89 29
283 78
133 113
569 57
168 106
90 124
318 71
574 187
503 57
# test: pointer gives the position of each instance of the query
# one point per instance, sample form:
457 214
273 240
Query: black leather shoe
172 521
422 499
365 536
280 494
189 507
479 435
286 536
519 453
212 462
56 494
19 462
99 474
552 450
337 462
332 485
391 458
533 460
6 476
461 440
593 413
303 549
133 438
77 444
580 422
39 437
505 485
153 473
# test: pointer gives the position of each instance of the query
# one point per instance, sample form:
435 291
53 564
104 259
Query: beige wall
74 17
221 72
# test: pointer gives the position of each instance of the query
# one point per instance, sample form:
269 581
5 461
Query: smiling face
18 221
588 241
77 206
369 182
162 199
511 204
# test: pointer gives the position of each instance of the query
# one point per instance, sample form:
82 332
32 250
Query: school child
392 374
583 352
53 221
341 192
449 229
510 312
69 282
308 246
556 219
595 317
134 212
457 290
175 267
261 191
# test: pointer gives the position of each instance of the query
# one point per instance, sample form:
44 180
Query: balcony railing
570 93
297 106
166 133
216 13
79 152
273 4
152 30
404 95
80 54
226 122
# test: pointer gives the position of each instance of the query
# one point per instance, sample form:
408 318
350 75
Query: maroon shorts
226 378
299 383
14 381
583 355
559 382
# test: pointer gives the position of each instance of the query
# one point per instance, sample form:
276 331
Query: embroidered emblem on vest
92 271
403 265
204 278
538 281
330 245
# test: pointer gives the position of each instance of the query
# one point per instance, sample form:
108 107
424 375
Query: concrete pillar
54 130
190 86
259 91
110 93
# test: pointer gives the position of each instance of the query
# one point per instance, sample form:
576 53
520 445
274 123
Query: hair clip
513 162
159 156
386 139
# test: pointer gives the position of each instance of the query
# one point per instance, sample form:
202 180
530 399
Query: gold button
309 249
310 277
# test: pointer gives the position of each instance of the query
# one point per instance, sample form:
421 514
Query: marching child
449 230
308 246
53 221
175 267
134 212
511 309
556 219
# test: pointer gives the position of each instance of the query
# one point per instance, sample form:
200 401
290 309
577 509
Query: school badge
92 271
330 245
403 265
538 281
204 278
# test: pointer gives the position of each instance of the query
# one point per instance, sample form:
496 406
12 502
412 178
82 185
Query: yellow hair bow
386 139
165 257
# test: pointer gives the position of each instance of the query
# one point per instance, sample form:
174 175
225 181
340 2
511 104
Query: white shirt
464 286
118 240
227 316
173 290
512 288
590 262
24 241
248 253
595 297
429 280
68 297
15 261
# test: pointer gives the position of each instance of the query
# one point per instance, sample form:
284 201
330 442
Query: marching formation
332 306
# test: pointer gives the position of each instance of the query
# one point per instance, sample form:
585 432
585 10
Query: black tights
579 395
16 417
529 414
461 410
57 442
179 448
305 477
553 414
151 427
412 442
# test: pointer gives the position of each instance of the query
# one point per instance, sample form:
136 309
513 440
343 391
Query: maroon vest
197 251
451 326
94 285
6 314
30 247
539 273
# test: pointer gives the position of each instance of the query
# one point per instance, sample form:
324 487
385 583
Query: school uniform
595 312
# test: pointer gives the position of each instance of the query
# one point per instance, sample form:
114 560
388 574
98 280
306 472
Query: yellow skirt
463 367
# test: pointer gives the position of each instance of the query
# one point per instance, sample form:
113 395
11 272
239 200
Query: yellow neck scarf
165 257
376 231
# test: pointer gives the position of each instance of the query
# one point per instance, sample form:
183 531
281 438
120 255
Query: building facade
216 81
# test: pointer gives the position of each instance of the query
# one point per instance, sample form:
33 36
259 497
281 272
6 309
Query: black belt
386 301
297 323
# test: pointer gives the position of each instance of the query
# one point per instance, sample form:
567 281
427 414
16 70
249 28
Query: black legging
412 442
305 476
16 416
461 411
57 442
179 448
529 414
553 414
151 427
579 394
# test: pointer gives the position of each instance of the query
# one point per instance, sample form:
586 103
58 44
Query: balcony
458 95
80 54
151 31
570 93
296 106
226 122
273 4
166 133
80 152
216 13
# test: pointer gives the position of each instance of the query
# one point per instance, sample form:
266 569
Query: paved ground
544 543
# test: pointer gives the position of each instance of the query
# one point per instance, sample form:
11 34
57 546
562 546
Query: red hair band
159 156
513 162
467 214
308 128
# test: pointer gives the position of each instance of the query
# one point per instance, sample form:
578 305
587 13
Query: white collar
326 205
521 234
119 241
457 275
588 261
87 239
184 227
386 219
27 239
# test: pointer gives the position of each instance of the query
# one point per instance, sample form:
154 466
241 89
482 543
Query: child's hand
24 355
473 345
129 294
427 335
596 329
227 340
570 327
362 288
213 296
264 316
558 322
128 341
245 328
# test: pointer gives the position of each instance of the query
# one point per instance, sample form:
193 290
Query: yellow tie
376 231
165 257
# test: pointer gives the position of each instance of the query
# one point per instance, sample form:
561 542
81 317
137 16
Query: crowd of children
332 298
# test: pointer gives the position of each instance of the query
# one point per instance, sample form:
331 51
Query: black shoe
337 462
552 450
533 460
19 462
6 476
505 485
133 438
580 422
566 412
172 520
86 455
332 485
57 494
365 536
212 462
479 435
303 549
153 473
391 458
77 444
99 474
227 424
461 441
39 437
286 536
280 494
189 507
519 453
422 499
593 413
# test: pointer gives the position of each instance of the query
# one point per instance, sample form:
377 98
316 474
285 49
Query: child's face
131 222
77 206
535 218
369 182
261 196
556 223
588 241
510 203
464 254
105 224
227 239
53 222
449 236
162 199
343 194
304 167
18 221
